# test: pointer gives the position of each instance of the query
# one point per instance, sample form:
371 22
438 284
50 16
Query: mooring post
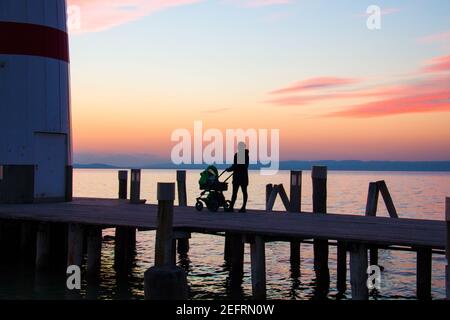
371 211
43 247
295 206
165 281
423 274
75 239
319 185
123 184
94 250
135 192
183 243
341 275
358 271
447 268
258 262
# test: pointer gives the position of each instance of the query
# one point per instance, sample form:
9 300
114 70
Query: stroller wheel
199 206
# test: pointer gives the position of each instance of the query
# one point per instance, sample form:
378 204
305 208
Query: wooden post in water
258 262
447 268
341 274
125 237
28 235
123 184
295 196
75 244
183 243
358 271
319 185
165 281
237 260
424 273
371 211
94 250
135 193
43 247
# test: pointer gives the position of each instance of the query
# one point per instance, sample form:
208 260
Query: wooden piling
295 196
135 192
94 250
319 185
358 271
371 211
183 243
341 273
165 281
447 269
43 247
258 265
123 184
75 244
164 233
423 274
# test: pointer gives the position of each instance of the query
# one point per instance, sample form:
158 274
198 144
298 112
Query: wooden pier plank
111 213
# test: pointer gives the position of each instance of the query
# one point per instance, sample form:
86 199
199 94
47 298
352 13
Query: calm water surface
416 195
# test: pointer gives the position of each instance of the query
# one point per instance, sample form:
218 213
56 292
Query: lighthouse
35 121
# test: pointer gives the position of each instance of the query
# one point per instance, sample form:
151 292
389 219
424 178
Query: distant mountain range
344 165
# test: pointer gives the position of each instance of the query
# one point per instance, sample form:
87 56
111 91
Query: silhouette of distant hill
344 165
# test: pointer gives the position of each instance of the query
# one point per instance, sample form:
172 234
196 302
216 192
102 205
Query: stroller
212 190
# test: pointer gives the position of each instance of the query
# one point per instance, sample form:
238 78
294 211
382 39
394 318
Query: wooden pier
84 219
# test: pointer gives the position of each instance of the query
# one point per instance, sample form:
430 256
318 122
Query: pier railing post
165 281
258 264
123 184
269 189
319 185
447 268
183 243
295 196
135 192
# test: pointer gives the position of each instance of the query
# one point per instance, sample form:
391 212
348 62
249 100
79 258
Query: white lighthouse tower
35 130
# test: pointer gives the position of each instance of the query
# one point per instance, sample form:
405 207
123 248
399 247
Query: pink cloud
257 3
443 37
437 101
316 83
439 64
99 15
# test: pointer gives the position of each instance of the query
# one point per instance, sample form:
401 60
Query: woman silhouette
240 176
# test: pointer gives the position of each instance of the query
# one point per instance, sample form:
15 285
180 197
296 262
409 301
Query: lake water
416 195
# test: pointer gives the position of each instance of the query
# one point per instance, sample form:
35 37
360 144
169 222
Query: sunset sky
335 89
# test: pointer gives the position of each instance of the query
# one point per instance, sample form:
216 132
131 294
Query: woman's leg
245 195
234 195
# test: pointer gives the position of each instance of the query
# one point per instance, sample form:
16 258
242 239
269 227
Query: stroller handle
228 177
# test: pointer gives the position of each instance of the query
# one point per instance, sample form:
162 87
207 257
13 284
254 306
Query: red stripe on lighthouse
33 40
